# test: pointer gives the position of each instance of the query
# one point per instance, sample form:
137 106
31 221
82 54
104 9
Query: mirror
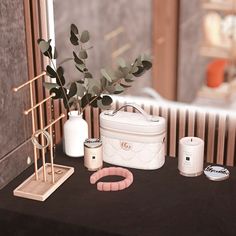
206 53
127 34
191 43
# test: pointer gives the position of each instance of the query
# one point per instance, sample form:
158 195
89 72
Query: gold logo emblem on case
125 146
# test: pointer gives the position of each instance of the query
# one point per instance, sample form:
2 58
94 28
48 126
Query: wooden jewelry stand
40 185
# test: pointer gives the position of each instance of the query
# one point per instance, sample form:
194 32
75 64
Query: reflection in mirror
206 60
191 42
117 29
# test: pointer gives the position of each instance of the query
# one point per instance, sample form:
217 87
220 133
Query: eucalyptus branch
90 102
67 101
83 93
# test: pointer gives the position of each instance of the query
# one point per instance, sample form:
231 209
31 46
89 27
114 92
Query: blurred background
191 43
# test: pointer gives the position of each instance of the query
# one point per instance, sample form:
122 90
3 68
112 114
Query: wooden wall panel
165 43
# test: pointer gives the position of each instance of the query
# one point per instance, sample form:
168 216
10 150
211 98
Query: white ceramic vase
75 133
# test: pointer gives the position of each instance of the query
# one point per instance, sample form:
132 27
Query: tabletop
159 202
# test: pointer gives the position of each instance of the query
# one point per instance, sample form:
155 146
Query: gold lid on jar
92 143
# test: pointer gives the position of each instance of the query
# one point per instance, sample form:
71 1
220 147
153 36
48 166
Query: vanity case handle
136 107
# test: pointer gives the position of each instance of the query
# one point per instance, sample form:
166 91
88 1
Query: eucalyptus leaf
81 67
94 103
124 70
74 29
96 90
125 85
118 89
88 75
138 61
74 39
80 90
72 90
44 46
51 72
83 54
93 86
103 82
129 80
85 100
80 81
106 100
140 72
147 65
110 89
76 59
101 106
84 36
118 74
60 71
48 53
39 40
58 93
134 69
106 75
60 79
129 77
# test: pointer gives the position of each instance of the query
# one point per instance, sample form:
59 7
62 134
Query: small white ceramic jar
191 156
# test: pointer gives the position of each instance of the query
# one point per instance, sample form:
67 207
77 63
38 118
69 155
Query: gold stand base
40 190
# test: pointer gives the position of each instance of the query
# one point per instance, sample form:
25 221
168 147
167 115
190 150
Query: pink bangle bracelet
112 186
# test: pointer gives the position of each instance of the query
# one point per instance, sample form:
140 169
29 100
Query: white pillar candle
191 156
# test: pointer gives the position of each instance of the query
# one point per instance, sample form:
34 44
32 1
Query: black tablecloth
159 202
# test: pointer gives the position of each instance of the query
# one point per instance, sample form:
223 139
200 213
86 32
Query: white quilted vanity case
135 140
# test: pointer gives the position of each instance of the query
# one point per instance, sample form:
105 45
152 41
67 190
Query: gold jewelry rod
51 156
33 130
26 112
42 141
29 82
120 50
60 117
114 33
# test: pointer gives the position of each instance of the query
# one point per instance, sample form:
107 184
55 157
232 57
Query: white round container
191 156
75 133
93 154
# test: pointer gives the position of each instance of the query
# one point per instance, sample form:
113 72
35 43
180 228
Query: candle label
216 173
